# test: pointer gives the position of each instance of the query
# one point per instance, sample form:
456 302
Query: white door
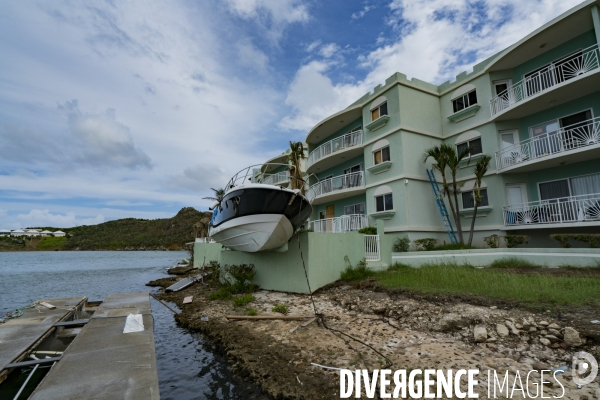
516 195
503 90
517 212
510 154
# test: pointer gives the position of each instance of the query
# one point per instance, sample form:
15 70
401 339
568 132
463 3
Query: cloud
361 13
46 218
125 203
329 50
199 178
432 40
250 56
311 47
272 15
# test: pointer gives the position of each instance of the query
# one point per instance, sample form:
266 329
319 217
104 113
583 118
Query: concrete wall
484 257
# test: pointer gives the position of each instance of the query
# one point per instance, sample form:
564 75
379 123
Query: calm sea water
188 368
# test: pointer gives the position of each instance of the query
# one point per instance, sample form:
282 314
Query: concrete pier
19 335
102 362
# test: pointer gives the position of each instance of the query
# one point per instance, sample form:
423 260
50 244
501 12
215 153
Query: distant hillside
121 234
132 233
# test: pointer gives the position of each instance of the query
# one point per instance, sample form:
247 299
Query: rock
540 366
502 330
553 326
543 332
543 323
533 329
545 341
379 310
555 332
571 337
552 338
512 328
480 333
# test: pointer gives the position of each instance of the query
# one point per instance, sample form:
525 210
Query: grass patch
252 312
241 301
464 279
358 273
51 243
224 293
512 262
281 308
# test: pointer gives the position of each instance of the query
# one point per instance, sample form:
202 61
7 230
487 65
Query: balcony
279 178
345 223
574 209
332 152
574 143
337 187
569 78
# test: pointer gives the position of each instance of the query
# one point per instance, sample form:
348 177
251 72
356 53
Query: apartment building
534 108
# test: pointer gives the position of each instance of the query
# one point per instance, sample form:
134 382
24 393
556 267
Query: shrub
592 239
281 308
252 312
493 241
241 301
368 230
402 244
515 240
511 262
425 244
358 273
224 293
303 230
243 277
453 246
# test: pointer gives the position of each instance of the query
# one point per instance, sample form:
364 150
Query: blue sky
113 109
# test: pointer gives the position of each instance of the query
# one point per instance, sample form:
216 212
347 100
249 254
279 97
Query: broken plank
307 323
188 299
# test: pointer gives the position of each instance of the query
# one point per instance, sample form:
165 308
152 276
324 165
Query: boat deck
102 362
18 335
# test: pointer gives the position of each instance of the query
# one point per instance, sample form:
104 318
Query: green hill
130 234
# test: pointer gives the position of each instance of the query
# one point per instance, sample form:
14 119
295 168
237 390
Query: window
379 111
464 101
474 144
381 155
468 199
564 188
384 202
355 209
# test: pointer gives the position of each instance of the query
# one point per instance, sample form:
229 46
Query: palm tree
219 193
479 169
441 162
295 159
453 158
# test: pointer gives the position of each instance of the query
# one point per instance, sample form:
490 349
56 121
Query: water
188 368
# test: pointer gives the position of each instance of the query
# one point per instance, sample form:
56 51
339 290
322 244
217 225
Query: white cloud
199 178
329 50
273 15
46 218
311 47
252 57
433 40
361 13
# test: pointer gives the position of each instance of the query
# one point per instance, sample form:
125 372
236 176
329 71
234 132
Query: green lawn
497 283
51 243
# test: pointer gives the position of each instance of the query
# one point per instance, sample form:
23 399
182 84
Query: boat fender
213 205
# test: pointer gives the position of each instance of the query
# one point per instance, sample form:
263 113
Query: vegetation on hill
121 234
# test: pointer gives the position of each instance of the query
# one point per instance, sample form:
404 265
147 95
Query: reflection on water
187 367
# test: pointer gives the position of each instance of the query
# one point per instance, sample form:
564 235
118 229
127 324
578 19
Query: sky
114 109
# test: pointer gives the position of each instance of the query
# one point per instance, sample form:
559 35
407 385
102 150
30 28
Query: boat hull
253 233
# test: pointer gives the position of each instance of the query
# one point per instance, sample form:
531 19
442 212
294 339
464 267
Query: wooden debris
47 305
307 323
188 299
272 317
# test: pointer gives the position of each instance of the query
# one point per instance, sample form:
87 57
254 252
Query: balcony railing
278 178
345 223
340 143
565 139
563 210
348 181
569 67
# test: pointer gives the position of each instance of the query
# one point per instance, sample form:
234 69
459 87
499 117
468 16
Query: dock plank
116 365
19 334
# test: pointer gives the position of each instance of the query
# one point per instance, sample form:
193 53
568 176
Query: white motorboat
254 217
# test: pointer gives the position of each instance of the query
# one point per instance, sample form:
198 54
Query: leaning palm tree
441 162
219 193
295 160
454 159
479 169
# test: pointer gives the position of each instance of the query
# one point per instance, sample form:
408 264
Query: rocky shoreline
410 330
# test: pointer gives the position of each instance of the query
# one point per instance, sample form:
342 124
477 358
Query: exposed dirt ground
411 331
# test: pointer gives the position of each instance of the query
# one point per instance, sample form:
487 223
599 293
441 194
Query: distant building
59 234
17 232
46 233
4 232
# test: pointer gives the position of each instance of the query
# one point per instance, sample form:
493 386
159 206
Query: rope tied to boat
11 315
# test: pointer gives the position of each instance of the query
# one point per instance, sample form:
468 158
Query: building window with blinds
381 155
384 202
468 199
379 111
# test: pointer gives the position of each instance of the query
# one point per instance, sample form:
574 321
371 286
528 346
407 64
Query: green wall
339 205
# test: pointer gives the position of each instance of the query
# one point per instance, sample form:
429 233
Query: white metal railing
340 143
557 72
278 178
568 138
205 240
372 250
347 181
345 223
566 209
